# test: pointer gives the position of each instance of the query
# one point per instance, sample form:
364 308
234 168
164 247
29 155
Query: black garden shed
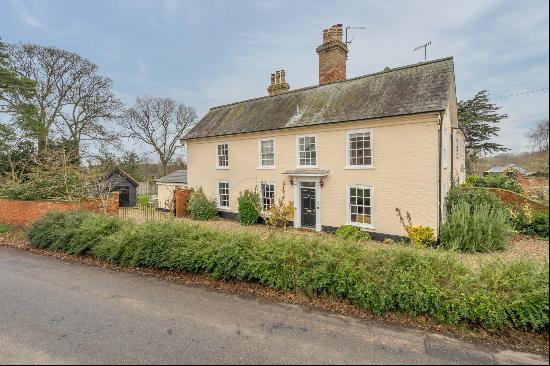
125 185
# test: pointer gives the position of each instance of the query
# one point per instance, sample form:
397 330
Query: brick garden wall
22 213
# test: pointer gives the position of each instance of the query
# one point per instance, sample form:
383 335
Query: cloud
32 21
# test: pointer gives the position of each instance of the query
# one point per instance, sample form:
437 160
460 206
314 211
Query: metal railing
143 213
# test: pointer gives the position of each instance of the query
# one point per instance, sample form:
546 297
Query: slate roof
497 169
418 88
179 176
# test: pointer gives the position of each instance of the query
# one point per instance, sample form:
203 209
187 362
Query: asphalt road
57 312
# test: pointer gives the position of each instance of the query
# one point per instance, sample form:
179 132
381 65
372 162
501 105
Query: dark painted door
307 200
123 196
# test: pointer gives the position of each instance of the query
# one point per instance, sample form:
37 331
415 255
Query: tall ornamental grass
379 279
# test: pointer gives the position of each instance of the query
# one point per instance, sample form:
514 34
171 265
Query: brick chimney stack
278 83
332 55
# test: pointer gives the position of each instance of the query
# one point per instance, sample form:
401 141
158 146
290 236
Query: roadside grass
380 278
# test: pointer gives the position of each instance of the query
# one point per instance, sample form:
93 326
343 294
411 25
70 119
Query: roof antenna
425 47
350 27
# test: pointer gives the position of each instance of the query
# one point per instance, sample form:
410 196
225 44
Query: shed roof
502 168
418 88
123 174
179 176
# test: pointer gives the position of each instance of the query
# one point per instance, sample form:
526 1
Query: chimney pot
278 83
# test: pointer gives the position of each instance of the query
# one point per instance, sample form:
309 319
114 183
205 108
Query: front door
307 204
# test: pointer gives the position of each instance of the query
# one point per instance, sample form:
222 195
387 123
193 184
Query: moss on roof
418 88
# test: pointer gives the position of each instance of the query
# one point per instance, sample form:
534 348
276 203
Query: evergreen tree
15 91
479 118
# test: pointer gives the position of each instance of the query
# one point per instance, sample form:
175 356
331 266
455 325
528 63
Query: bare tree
538 136
160 123
88 105
68 92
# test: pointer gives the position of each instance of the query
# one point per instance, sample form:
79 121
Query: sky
207 53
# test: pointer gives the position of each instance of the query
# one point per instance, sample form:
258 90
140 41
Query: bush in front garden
495 181
421 236
380 279
474 197
526 221
201 207
249 207
351 232
478 229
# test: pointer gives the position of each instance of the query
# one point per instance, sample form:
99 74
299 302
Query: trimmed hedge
380 279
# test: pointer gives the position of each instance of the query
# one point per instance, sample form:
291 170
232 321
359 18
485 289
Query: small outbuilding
167 185
125 185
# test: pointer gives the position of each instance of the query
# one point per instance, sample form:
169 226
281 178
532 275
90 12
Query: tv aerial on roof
425 47
350 27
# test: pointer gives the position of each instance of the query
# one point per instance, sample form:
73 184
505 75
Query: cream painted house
347 151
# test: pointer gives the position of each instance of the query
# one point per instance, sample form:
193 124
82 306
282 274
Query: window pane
359 205
307 151
223 155
268 195
359 151
223 194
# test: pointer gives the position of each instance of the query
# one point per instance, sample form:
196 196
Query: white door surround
298 201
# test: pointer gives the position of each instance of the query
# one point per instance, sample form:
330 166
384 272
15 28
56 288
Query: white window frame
298 151
218 198
444 148
348 206
366 166
260 163
262 194
218 166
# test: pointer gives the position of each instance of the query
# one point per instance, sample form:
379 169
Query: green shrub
481 229
144 200
474 197
380 279
4 229
91 231
421 236
495 181
526 221
55 230
201 207
351 232
249 207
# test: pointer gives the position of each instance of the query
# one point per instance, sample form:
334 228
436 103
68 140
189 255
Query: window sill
362 226
222 168
267 167
222 208
307 167
359 167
